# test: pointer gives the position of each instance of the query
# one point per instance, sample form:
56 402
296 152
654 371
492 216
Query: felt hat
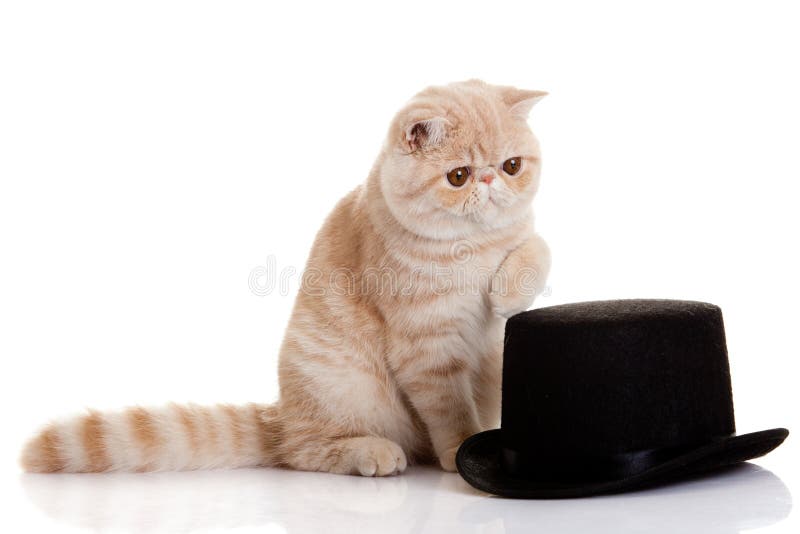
611 396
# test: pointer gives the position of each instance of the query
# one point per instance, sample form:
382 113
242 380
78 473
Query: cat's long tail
176 437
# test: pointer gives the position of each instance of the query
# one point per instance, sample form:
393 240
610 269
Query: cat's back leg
342 410
359 455
342 420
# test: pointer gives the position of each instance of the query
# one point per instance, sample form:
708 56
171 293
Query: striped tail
173 438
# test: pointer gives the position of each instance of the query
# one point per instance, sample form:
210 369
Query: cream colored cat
393 353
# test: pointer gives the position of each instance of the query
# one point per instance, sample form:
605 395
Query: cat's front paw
507 302
520 278
447 459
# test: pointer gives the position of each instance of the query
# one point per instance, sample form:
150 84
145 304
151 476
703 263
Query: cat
393 353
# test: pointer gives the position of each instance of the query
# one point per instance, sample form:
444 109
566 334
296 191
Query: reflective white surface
422 500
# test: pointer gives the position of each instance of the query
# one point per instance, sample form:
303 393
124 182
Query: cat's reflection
226 499
422 500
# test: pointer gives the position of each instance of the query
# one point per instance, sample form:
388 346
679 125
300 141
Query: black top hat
611 396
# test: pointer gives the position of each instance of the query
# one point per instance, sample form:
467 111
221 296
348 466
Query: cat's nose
487 177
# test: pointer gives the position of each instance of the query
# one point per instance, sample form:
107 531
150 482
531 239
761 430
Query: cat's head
460 159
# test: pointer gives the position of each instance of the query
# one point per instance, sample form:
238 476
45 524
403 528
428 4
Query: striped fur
172 438
393 350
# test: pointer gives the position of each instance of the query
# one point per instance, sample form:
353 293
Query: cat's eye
512 165
458 176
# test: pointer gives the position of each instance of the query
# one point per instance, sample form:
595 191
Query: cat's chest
463 271
440 294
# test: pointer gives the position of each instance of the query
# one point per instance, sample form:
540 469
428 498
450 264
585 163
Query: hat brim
478 462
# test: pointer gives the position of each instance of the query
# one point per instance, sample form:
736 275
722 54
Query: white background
152 154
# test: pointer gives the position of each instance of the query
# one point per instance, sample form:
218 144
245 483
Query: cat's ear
520 101
425 132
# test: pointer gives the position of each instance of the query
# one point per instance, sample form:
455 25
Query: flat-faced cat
393 352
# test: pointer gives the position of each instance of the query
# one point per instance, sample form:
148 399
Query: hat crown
611 377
